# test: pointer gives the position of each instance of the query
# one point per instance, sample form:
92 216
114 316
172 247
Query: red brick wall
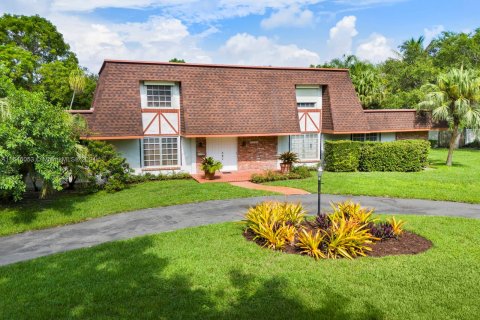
200 149
256 153
412 135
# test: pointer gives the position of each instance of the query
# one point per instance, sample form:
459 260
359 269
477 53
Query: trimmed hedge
342 155
402 155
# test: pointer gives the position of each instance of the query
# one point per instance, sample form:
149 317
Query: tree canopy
38 59
397 82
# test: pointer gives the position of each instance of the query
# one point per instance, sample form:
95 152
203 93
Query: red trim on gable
168 122
151 122
314 124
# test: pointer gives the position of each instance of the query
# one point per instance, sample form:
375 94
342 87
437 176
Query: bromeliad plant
347 232
274 223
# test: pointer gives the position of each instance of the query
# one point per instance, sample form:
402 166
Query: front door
224 150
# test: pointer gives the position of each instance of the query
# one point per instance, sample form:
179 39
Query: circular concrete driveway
126 225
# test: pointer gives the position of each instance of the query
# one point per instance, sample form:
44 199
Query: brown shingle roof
400 120
230 100
215 99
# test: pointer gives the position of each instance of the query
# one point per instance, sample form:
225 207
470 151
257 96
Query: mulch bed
406 243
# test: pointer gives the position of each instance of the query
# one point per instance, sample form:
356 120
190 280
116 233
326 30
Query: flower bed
300 172
349 231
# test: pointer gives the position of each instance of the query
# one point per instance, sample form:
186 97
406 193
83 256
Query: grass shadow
125 280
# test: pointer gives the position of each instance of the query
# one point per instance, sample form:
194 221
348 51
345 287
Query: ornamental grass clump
348 231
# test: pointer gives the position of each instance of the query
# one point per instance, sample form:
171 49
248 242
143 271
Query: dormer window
159 96
308 96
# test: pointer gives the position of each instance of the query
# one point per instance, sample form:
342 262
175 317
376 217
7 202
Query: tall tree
35 139
407 73
38 59
21 64
34 34
366 78
454 98
454 50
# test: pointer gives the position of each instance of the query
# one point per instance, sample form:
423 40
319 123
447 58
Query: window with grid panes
305 146
365 137
159 96
160 151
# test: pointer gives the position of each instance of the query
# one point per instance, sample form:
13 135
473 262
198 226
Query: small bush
401 155
300 172
382 230
158 177
114 184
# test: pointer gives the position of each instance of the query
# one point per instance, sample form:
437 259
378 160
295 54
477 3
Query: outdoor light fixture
319 174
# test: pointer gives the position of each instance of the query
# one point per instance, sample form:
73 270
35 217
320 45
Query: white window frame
163 99
364 137
314 99
304 142
160 154
174 96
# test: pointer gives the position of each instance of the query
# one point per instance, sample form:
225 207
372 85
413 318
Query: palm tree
369 87
454 98
77 82
412 49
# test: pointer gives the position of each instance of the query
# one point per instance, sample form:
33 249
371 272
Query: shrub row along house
168 116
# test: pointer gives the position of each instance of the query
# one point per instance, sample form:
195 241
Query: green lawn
65 209
439 182
212 272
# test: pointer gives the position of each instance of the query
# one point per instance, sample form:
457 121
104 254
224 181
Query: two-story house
168 116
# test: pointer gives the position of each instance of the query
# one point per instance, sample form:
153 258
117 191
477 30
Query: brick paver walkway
278 189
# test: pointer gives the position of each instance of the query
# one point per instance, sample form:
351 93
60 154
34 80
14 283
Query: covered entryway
224 150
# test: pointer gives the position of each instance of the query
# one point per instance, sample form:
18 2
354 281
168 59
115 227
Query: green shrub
158 177
402 155
300 172
106 163
342 155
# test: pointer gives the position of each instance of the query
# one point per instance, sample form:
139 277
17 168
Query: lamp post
319 174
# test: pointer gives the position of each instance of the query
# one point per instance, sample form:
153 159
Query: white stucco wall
188 154
130 150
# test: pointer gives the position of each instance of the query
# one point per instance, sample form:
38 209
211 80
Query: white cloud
188 10
246 49
431 33
341 37
360 3
375 49
158 39
291 17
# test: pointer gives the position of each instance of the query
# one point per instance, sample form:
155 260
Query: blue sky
254 32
